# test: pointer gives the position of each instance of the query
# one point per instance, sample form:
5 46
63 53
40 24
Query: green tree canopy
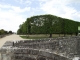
48 24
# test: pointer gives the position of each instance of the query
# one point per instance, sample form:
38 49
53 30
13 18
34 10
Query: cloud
11 17
10 20
18 9
74 1
62 8
15 8
4 6
27 2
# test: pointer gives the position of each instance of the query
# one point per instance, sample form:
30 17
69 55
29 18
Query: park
43 37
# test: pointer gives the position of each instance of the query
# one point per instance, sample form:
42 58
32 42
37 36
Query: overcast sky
15 12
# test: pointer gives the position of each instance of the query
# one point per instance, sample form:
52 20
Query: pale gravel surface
13 37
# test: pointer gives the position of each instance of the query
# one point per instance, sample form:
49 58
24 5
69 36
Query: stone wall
62 48
30 54
67 45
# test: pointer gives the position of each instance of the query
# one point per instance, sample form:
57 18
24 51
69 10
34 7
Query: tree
3 32
10 32
48 24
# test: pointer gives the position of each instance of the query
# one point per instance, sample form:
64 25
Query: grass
41 36
34 36
25 37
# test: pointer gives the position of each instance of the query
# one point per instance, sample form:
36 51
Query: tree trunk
71 34
64 34
76 34
50 36
59 34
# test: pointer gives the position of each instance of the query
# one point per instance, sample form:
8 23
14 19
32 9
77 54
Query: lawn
34 36
40 36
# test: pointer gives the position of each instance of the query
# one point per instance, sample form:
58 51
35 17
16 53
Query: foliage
48 24
3 32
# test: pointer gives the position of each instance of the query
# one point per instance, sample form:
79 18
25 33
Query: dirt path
9 38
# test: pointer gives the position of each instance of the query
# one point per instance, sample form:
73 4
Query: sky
15 12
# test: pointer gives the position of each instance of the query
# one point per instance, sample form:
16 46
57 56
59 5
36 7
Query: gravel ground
10 38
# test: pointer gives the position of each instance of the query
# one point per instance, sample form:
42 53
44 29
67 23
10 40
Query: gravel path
10 38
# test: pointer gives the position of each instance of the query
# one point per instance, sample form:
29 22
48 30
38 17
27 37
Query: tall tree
48 24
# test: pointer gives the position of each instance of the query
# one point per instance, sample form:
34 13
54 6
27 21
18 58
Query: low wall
62 48
67 45
24 53
1 36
